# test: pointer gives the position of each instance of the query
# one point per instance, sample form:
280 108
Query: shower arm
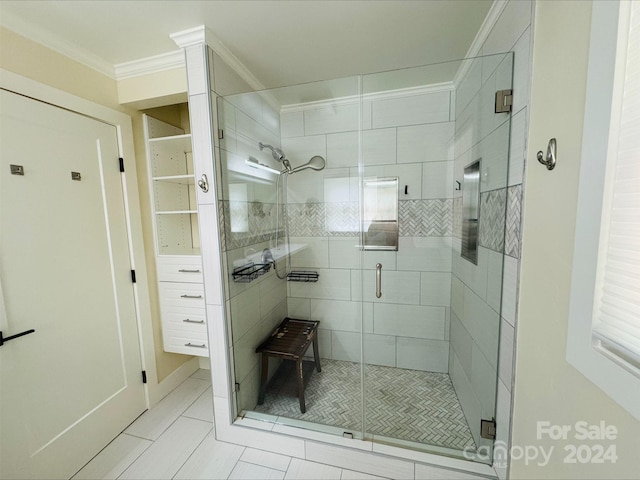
278 155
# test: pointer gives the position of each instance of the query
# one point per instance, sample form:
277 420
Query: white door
74 384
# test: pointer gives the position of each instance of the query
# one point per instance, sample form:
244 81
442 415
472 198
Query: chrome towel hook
552 151
203 183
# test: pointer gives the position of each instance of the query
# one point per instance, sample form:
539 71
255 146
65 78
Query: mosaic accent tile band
514 208
492 212
431 414
457 217
246 223
417 218
426 218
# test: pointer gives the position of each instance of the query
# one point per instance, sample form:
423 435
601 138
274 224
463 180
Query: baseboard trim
179 375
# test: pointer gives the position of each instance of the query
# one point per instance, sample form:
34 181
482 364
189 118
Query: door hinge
237 387
220 134
488 429
121 160
144 376
133 276
504 101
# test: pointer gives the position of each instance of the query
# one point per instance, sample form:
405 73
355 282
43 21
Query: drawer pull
188 320
190 296
195 346
183 270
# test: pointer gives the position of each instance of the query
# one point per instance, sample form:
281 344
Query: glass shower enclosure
393 240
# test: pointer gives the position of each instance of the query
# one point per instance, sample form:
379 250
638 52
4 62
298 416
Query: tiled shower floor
404 404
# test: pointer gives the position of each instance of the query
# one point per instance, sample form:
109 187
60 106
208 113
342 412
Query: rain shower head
316 163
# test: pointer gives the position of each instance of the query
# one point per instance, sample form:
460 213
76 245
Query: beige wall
547 388
168 87
34 61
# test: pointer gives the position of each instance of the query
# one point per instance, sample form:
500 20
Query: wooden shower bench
289 341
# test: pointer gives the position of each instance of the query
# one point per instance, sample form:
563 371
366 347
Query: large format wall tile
409 321
422 354
425 254
411 110
426 143
333 119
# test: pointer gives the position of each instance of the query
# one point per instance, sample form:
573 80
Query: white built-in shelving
177 241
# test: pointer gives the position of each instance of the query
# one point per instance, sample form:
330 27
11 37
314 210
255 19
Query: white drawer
180 269
174 294
184 319
189 344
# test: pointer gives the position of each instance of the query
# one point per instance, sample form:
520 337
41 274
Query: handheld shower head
316 163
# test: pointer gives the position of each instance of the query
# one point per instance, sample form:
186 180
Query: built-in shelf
179 142
177 212
188 179
179 252
175 222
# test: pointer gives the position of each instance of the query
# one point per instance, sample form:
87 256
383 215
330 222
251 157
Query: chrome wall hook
552 152
203 183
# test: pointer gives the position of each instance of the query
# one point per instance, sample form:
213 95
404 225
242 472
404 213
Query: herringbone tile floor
404 404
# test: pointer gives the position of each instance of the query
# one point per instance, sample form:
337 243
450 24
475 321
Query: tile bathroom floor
410 405
175 440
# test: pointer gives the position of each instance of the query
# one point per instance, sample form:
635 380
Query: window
616 327
603 340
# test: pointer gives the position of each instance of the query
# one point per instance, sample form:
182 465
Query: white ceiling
280 42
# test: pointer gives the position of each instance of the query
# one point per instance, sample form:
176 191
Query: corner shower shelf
302 276
248 273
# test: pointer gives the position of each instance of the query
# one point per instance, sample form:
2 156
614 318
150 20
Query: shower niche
471 211
415 366
380 213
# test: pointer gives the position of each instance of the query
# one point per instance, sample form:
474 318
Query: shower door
432 317
370 246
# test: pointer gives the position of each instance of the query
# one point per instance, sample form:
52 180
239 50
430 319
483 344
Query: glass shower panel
431 340
341 202
292 247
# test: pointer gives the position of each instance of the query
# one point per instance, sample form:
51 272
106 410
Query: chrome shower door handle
378 280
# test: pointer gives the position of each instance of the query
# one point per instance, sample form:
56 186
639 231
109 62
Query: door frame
124 130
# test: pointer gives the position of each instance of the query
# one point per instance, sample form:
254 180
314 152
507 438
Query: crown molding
145 66
192 36
47 39
370 97
200 35
497 7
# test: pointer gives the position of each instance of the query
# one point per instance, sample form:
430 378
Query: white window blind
616 327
